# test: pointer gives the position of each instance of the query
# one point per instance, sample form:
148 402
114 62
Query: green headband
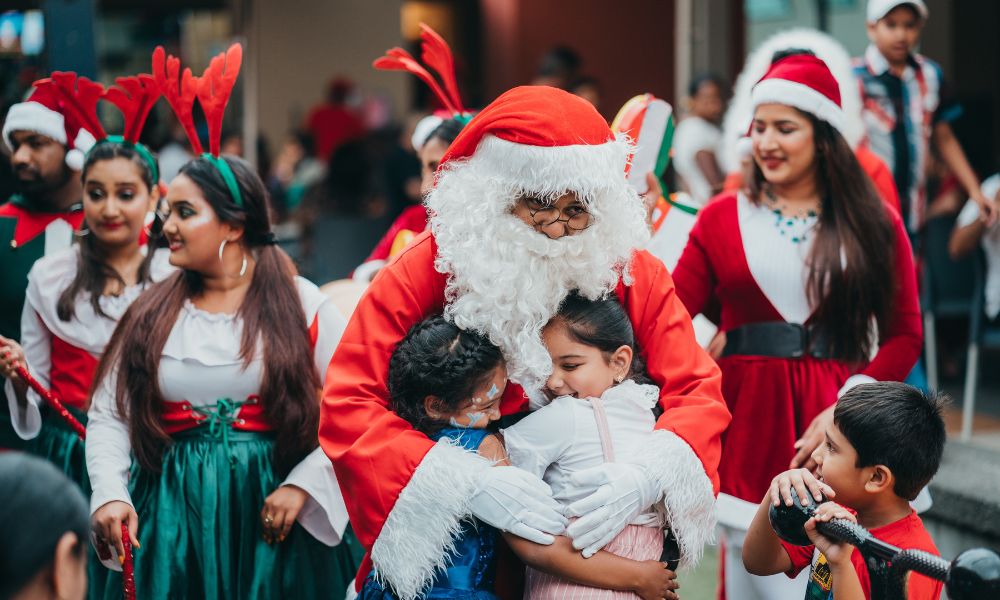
227 175
139 148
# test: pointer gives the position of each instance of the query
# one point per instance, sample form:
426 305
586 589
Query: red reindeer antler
179 90
437 55
134 97
80 97
215 87
398 59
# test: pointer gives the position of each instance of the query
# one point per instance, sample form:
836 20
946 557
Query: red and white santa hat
45 113
545 139
804 82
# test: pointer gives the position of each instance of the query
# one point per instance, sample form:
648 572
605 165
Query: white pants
741 585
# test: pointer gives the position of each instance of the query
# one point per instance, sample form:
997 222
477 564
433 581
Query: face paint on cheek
493 392
475 417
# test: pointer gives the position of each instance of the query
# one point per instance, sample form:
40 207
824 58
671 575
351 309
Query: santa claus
531 202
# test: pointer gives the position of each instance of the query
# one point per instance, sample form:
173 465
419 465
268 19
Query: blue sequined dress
472 567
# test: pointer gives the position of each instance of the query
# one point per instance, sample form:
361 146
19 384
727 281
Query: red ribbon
128 567
54 402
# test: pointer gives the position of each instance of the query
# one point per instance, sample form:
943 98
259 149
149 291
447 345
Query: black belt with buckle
776 339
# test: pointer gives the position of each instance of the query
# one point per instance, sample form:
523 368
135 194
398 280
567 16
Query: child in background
885 444
448 383
601 411
906 107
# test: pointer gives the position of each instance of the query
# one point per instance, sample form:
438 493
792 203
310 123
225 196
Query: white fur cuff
688 497
420 532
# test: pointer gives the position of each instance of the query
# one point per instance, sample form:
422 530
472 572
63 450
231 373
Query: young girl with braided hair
448 383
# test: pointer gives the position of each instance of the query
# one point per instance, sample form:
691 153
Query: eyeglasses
576 217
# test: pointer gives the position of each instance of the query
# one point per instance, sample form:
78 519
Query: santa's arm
685 451
407 496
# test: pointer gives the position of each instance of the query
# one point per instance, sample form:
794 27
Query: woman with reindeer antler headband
211 383
75 297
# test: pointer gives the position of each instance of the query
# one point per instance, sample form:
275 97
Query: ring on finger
268 519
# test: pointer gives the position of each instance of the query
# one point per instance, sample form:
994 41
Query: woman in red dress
815 280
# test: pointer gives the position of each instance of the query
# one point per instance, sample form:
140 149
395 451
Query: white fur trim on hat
549 170
801 96
34 117
419 533
82 144
425 127
740 113
877 9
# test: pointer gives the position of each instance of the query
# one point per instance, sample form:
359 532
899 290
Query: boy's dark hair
895 425
604 325
438 359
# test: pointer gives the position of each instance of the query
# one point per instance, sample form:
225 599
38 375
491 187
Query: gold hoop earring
243 267
222 247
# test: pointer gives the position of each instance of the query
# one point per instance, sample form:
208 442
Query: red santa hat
46 112
546 139
804 82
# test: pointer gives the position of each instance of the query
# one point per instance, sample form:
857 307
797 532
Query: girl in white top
202 431
601 411
75 298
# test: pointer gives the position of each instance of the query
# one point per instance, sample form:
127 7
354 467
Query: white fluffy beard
506 280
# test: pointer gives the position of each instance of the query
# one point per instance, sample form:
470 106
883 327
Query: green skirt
200 530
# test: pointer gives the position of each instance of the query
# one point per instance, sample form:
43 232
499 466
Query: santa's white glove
623 491
518 502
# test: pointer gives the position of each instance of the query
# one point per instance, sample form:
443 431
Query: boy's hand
836 552
656 581
803 482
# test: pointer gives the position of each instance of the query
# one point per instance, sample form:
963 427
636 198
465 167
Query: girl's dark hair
854 227
604 325
92 270
438 359
447 131
32 486
273 320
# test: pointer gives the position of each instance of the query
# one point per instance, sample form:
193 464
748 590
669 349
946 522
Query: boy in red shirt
884 445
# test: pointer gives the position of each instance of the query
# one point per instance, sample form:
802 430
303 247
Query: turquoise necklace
796 226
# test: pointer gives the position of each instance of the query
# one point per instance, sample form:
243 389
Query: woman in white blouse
211 383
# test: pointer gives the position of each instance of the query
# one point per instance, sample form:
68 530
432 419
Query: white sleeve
330 328
324 515
36 341
108 447
539 439
969 214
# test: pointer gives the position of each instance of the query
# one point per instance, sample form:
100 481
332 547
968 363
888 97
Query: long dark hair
272 318
92 270
603 324
438 359
855 226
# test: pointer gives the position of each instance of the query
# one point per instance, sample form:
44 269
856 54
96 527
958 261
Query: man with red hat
47 145
531 202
